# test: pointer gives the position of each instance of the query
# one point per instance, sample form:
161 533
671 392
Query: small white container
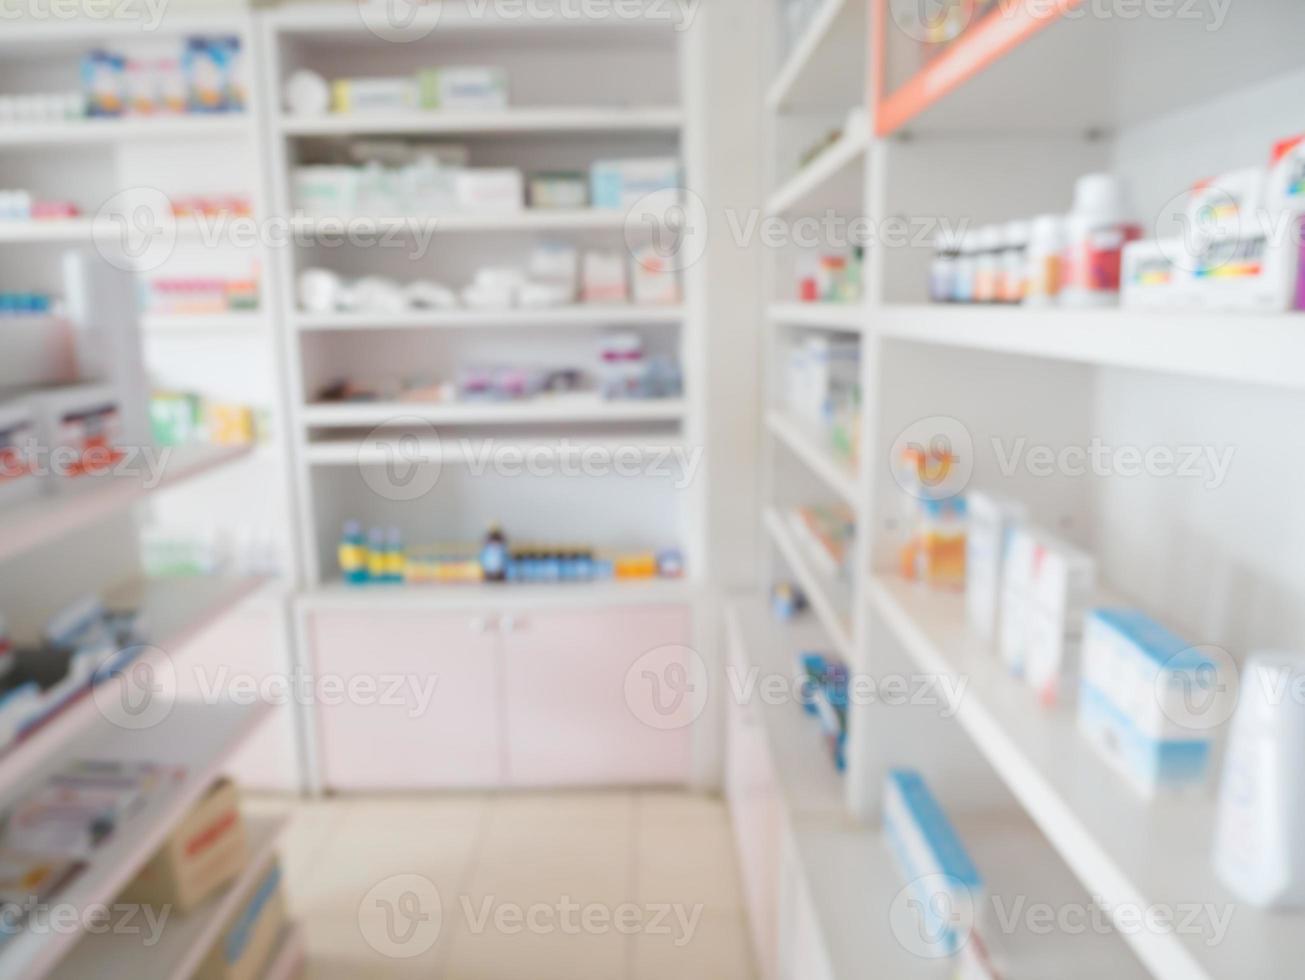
1259 848
498 190
1012 278
987 264
1043 260
1096 232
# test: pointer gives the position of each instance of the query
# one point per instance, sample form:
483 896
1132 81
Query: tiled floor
548 886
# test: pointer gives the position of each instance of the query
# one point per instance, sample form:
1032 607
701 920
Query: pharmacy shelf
288 959
39 38
1263 349
1131 853
809 783
833 179
673 452
463 23
197 739
499 596
173 612
593 315
52 516
204 323
854 884
504 122
808 446
843 317
52 230
538 219
185 939
985 79
830 599
533 411
125 130
814 74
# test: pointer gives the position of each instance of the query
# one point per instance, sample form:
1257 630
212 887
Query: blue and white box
1149 702
932 860
991 521
621 184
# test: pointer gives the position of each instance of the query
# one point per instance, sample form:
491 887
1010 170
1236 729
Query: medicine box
79 428
250 939
491 190
206 849
1148 701
1158 275
19 474
603 278
820 370
655 281
931 858
1047 586
990 522
621 184
362 95
464 88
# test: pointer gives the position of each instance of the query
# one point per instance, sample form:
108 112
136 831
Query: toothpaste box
1148 701
931 858
621 184
990 522
1047 586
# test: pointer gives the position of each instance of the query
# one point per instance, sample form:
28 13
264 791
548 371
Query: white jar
1097 230
1042 260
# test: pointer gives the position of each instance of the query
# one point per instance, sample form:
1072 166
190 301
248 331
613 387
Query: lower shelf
337 595
830 599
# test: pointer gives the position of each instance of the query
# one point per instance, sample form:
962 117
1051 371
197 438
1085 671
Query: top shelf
502 123
815 75
1066 67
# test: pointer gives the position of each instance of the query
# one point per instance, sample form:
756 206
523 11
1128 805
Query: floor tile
714 947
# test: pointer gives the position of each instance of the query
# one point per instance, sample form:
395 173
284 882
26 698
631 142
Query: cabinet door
568 718
406 700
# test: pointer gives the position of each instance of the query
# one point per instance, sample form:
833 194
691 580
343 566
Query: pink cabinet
569 714
406 700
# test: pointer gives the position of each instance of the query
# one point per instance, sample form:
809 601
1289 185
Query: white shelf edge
565 316
106 954
843 317
530 411
525 219
831 161
1249 348
203 323
125 128
803 52
814 585
465 451
503 122
481 596
820 461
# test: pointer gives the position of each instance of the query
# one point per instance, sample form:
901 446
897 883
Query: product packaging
603 279
250 939
621 184
80 429
373 95
104 83
990 522
655 281
484 190
465 89
19 479
1096 231
1152 279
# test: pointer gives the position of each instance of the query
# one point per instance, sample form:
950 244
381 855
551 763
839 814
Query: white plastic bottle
1043 259
1013 278
988 264
1259 845
1096 231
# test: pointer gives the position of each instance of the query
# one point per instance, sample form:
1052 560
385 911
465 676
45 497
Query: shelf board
808 781
125 129
376 451
463 319
198 737
526 219
459 23
42 520
1263 349
831 180
185 939
1132 853
534 411
505 122
500 597
814 74
830 600
806 445
52 230
174 611
843 317
204 323
998 68
853 880
50 35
